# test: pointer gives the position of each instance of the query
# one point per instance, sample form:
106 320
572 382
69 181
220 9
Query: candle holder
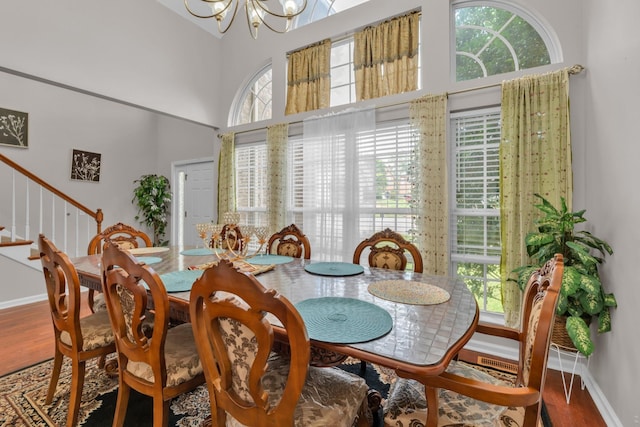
230 240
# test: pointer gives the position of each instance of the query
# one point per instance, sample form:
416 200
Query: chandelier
258 12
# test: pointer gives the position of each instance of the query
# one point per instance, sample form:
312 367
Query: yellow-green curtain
226 176
386 57
429 115
277 139
535 157
309 78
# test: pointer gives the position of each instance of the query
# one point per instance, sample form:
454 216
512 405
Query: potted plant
152 196
582 296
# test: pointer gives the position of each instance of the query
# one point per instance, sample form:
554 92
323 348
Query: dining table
422 339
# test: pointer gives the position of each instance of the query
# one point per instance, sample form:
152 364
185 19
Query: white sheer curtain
330 183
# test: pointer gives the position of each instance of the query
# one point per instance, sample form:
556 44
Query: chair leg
160 412
77 382
363 368
121 403
101 361
55 375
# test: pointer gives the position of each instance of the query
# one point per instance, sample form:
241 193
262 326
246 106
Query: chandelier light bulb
257 12
219 9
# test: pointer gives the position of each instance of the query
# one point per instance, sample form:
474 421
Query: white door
194 183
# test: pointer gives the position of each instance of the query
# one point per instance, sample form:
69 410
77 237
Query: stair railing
65 221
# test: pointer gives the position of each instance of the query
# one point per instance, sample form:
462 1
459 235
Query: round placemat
409 292
180 281
267 259
149 250
334 268
149 259
197 252
344 320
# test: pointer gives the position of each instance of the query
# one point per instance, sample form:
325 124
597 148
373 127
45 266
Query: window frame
455 212
543 29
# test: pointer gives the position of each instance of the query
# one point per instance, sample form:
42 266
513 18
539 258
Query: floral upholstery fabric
181 357
534 320
330 397
99 304
407 405
288 249
386 259
96 332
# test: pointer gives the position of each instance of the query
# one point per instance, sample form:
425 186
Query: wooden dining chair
80 339
124 236
248 383
290 241
387 249
462 395
162 366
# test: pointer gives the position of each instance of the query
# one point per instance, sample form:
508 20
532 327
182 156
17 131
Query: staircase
37 207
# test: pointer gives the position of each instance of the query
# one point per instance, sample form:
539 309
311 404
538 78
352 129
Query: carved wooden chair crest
387 249
121 234
290 241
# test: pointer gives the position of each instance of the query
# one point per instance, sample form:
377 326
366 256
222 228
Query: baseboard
22 301
503 350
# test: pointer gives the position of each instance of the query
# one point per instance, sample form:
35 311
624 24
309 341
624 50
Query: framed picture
14 127
85 166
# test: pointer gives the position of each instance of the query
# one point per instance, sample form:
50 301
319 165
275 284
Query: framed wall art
14 126
85 166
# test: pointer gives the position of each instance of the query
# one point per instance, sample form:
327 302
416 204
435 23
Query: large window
475 210
491 40
374 180
381 185
251 179
254 101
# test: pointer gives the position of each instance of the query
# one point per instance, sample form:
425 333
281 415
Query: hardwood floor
27 338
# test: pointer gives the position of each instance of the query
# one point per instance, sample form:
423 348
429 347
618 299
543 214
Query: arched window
253 102
493 37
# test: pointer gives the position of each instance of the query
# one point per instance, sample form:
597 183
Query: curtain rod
573 70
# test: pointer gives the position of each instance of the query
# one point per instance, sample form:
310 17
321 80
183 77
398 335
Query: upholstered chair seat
406 405
330 396
180 355
464 396
96 332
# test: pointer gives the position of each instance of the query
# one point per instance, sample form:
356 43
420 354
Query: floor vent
490 362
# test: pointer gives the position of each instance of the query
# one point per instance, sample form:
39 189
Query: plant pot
560 336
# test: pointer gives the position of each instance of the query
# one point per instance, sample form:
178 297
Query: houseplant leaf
580 335
604 321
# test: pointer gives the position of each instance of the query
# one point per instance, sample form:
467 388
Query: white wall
612 199
132 142
136 51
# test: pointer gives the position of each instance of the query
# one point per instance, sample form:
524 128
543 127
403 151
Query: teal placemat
334 268
267 259
149 259
197 252
180 281
344 320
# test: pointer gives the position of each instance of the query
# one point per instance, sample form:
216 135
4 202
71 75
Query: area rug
22 396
